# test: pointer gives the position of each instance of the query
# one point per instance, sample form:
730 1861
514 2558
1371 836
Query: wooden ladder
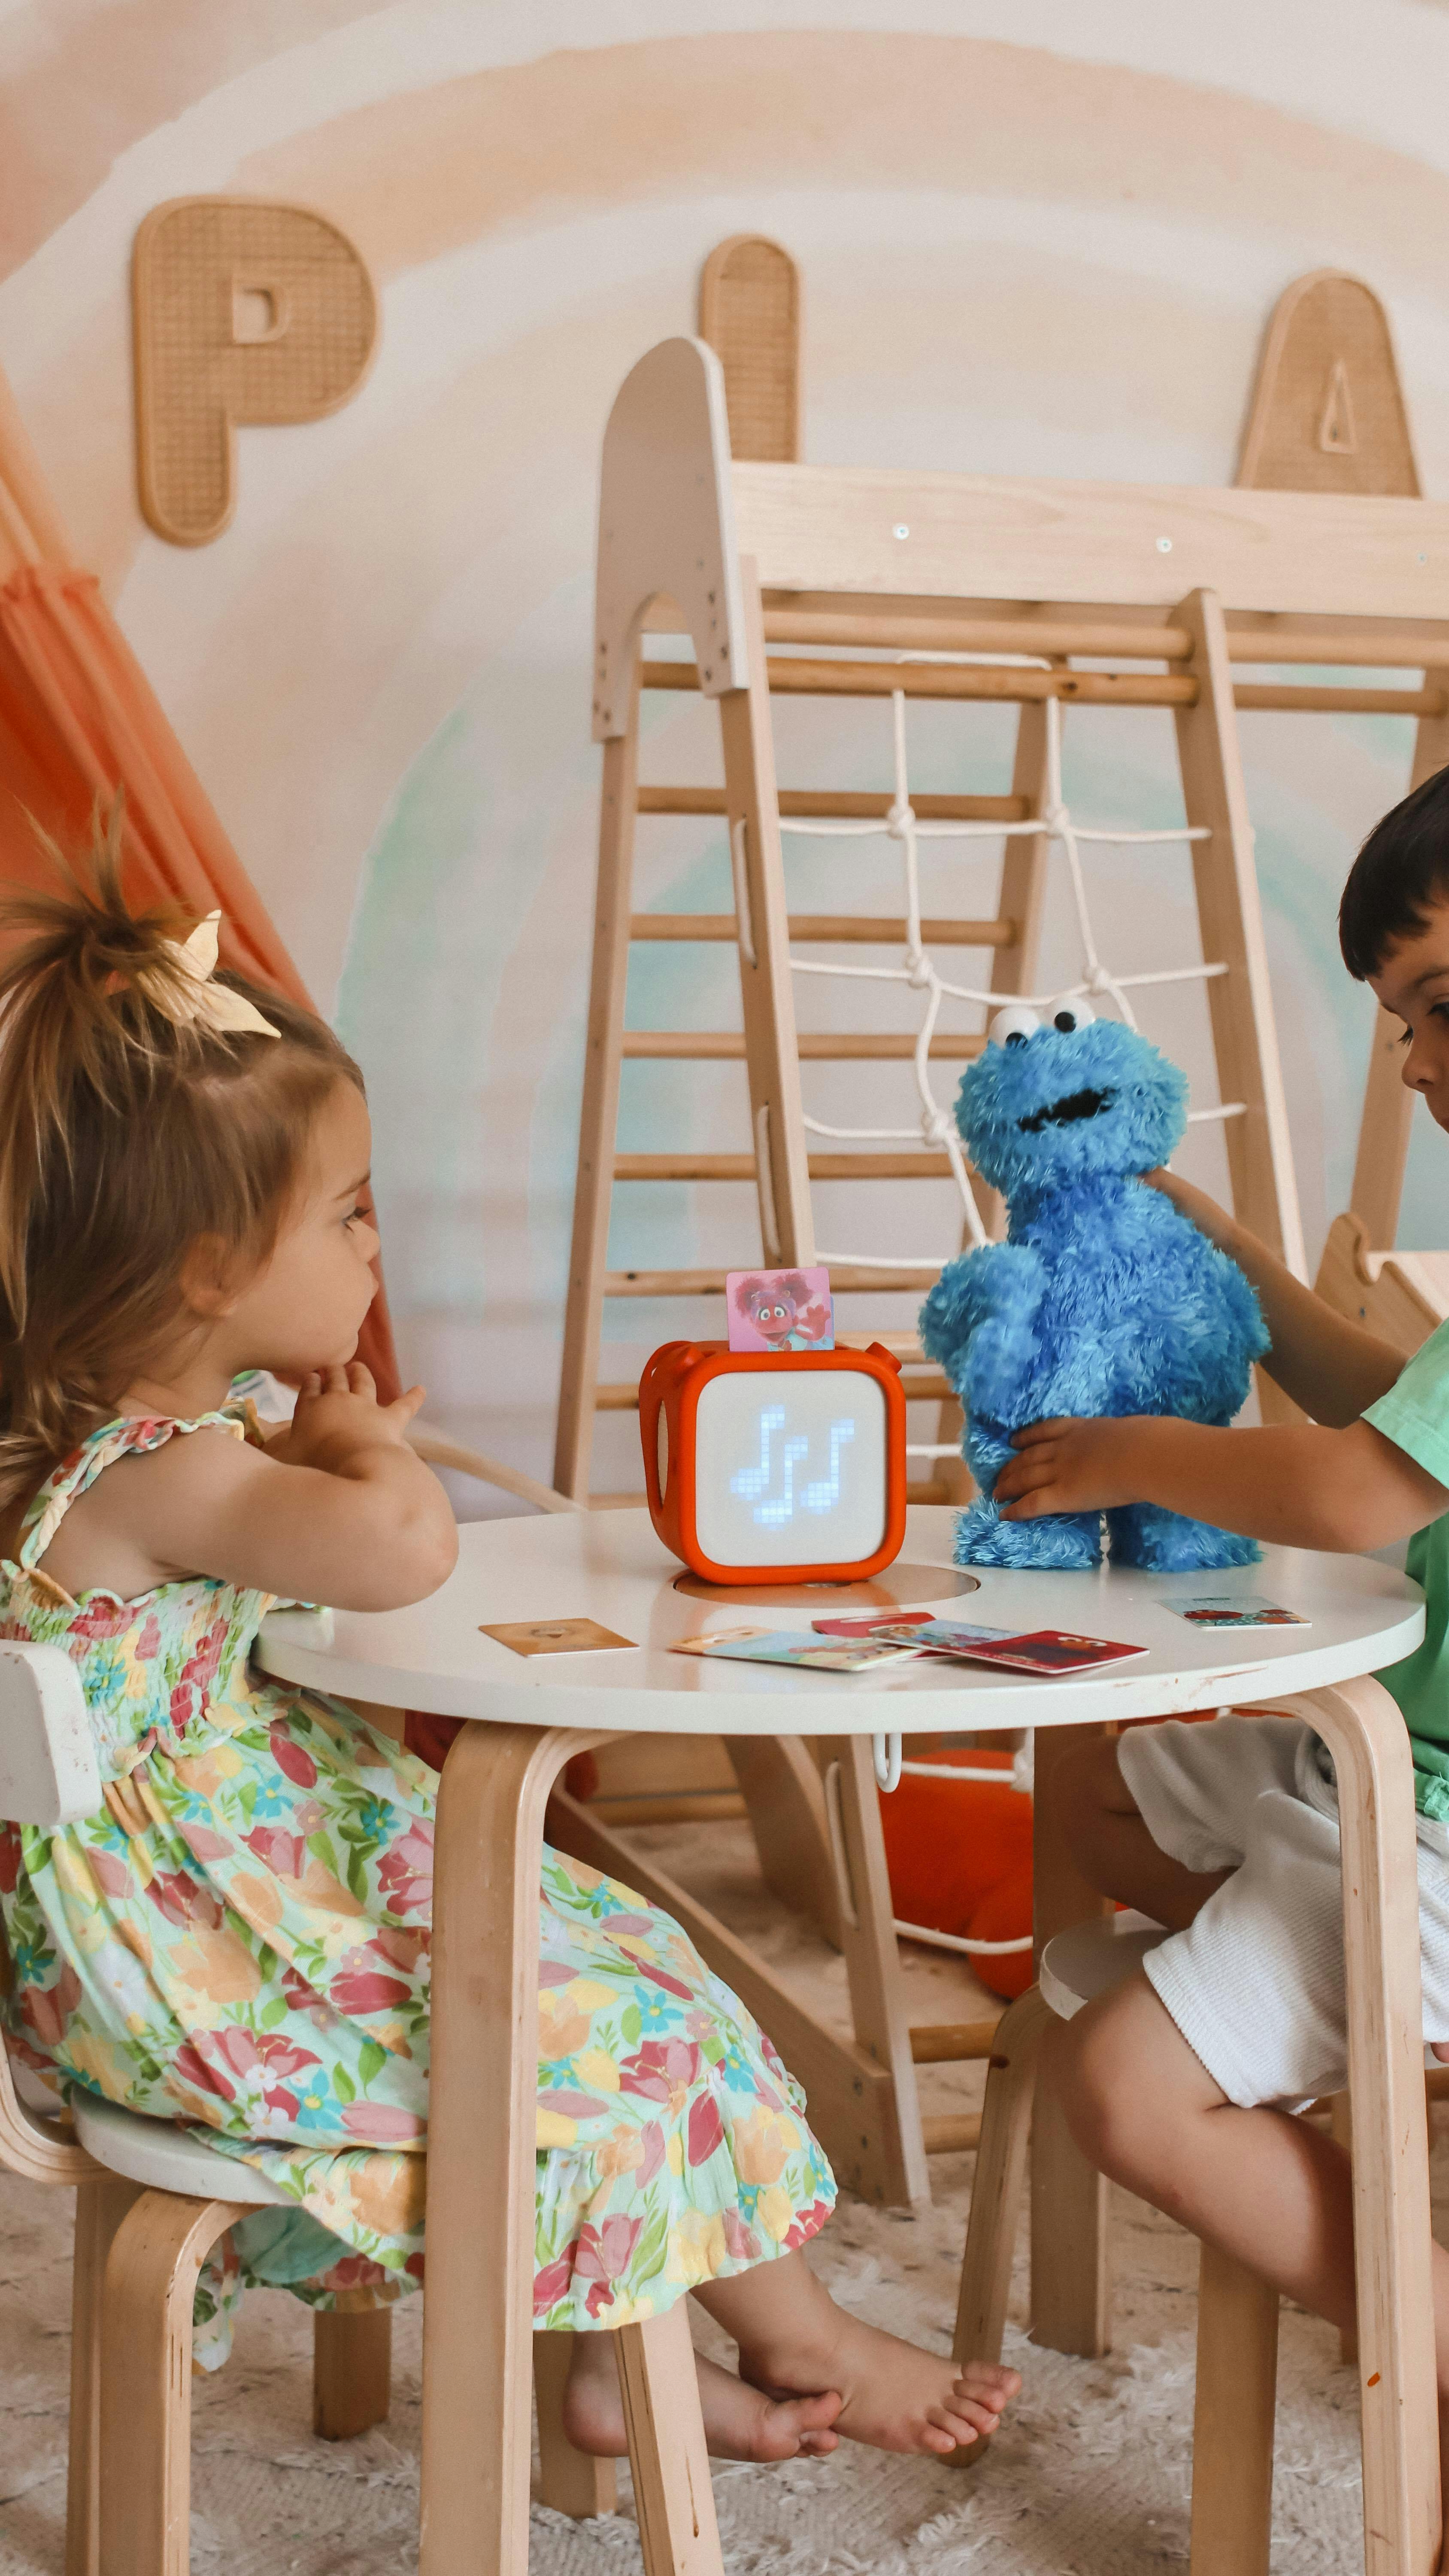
768 1045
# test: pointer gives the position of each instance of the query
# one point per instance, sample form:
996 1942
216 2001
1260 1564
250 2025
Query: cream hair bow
201 998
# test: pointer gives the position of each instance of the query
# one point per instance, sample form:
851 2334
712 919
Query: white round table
609 1567
539 1709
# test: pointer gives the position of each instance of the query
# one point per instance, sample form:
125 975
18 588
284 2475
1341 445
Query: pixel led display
789 1468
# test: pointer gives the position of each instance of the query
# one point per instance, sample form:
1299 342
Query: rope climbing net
919 972
918 969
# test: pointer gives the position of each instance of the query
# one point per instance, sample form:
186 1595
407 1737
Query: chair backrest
48 1776
48 1769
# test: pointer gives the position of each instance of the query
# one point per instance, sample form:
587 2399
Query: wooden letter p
245 313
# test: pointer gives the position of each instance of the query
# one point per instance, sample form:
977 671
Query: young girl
238 1938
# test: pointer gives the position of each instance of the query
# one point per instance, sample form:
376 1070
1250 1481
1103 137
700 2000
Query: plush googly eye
1070 1012
1014 1026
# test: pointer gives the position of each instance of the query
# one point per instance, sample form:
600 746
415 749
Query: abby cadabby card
780 1310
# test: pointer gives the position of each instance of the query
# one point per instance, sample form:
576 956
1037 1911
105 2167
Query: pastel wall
1034 237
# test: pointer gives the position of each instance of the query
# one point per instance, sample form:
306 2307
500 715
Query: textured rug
1090 2478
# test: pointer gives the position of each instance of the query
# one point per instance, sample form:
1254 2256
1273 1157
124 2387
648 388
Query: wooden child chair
48 1777
188 2196
152 2201
1237 2316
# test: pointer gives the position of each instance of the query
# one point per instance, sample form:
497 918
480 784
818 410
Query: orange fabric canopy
78 719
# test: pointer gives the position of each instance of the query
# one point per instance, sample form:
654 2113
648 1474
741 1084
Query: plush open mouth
1065 1113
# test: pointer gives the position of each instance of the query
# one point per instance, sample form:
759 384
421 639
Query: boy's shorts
1256 1983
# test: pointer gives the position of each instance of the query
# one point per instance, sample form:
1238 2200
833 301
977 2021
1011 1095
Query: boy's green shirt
1415 1416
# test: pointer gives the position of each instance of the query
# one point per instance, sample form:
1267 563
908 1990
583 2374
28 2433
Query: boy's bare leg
808 2373
1111 1845
1272 2191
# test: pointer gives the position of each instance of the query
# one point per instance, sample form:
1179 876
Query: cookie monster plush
1103 1300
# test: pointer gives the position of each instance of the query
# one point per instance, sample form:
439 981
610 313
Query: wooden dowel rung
841 804
845 1280
815 1046
906 1347
1400 644
1058 626
849 929
1016 686
906 633
910 1166
1007 683
616 1399
952 2043
1291 700
949 2135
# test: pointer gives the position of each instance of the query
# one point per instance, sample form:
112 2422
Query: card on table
950 1636
554 1636
1236 1610
869 1623
1040 1651
788 1646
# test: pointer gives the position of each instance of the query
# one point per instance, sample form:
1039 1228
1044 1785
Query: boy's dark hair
1399 874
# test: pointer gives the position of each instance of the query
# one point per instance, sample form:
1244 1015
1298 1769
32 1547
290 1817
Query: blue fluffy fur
1103 1300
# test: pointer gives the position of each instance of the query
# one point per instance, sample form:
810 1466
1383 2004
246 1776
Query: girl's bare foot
893 2395
793 2339
740 2422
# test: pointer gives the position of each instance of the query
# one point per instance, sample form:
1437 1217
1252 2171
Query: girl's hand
1072 1466
338 1415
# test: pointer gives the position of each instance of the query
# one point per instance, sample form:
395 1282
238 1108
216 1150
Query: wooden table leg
1364 1731
1071 2296
873 1964
478 2312
782 1789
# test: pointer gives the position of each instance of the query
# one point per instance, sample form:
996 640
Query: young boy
1176 2084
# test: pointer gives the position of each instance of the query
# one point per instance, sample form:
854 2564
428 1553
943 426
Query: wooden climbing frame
792 580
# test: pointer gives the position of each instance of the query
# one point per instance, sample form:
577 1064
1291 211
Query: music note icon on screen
750 1481
773 1508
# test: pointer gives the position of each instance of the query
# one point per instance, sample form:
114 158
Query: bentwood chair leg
1000 2175
146 2381
1232 2431
573 2482
1364 1731
99 2209
351 2371
678 2534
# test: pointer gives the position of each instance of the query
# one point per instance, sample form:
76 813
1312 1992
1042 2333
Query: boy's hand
1072 1466
338 1415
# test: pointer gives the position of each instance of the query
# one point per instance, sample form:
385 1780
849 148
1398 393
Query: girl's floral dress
238 1941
